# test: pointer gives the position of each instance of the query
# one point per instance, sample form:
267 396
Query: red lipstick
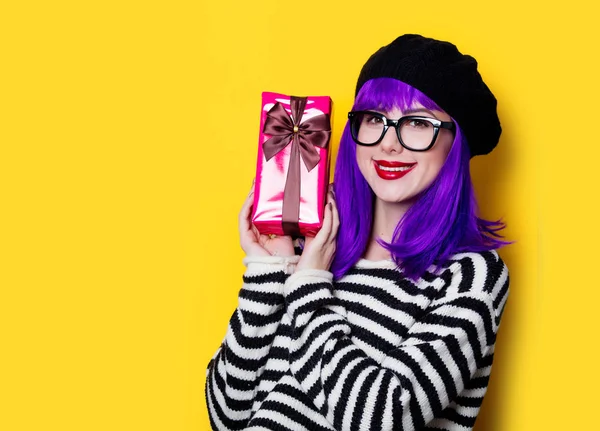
392 170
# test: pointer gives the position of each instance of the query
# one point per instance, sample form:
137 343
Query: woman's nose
390 142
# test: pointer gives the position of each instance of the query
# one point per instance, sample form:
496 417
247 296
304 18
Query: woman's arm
415 381
234 372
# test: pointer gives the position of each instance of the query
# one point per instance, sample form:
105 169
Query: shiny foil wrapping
272 175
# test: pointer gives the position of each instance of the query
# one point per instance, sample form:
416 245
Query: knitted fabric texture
447 77
373 350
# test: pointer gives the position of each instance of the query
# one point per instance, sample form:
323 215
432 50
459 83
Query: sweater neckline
383 263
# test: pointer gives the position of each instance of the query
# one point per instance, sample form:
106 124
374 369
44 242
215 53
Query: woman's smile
392 170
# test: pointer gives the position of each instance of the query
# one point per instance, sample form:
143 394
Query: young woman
388 318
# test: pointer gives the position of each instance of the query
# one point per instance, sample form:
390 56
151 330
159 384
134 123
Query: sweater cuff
269 264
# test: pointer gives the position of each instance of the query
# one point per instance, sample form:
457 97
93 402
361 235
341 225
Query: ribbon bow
304 137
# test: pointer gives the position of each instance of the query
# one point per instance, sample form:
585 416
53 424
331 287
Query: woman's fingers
331 215
335 221
247 235
323 234
254 231
248 203
319 251
244 218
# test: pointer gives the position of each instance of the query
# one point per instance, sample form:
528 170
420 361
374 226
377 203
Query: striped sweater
371 351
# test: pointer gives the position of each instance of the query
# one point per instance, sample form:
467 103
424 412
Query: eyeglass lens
416 134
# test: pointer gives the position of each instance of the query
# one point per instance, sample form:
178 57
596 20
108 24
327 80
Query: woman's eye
372 119
419 124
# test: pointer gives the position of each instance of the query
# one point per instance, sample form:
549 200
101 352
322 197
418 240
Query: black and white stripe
372 351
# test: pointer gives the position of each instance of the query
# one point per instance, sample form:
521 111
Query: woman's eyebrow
415 110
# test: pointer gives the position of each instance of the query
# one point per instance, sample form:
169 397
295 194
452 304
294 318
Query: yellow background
128 133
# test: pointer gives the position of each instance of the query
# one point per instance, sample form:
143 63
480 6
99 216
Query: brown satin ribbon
304 137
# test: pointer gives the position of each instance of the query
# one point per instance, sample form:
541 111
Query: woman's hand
319 251
256 244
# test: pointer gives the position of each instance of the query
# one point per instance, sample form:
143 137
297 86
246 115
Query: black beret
446 76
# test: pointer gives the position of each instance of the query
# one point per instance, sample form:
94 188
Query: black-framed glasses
415 133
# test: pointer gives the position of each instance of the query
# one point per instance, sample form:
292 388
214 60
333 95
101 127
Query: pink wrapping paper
271 175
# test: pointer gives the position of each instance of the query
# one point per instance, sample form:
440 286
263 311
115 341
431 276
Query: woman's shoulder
471 271
476 273
483 261
479 265
464 275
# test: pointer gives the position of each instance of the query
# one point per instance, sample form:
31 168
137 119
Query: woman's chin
393 197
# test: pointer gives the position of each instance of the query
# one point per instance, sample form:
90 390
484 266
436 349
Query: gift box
292 169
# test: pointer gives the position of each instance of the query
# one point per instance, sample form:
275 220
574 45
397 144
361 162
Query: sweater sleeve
233 372
416 380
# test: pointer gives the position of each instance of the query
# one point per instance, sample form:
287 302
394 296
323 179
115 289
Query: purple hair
443 221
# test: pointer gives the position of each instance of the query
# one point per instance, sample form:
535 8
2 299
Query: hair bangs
386 94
